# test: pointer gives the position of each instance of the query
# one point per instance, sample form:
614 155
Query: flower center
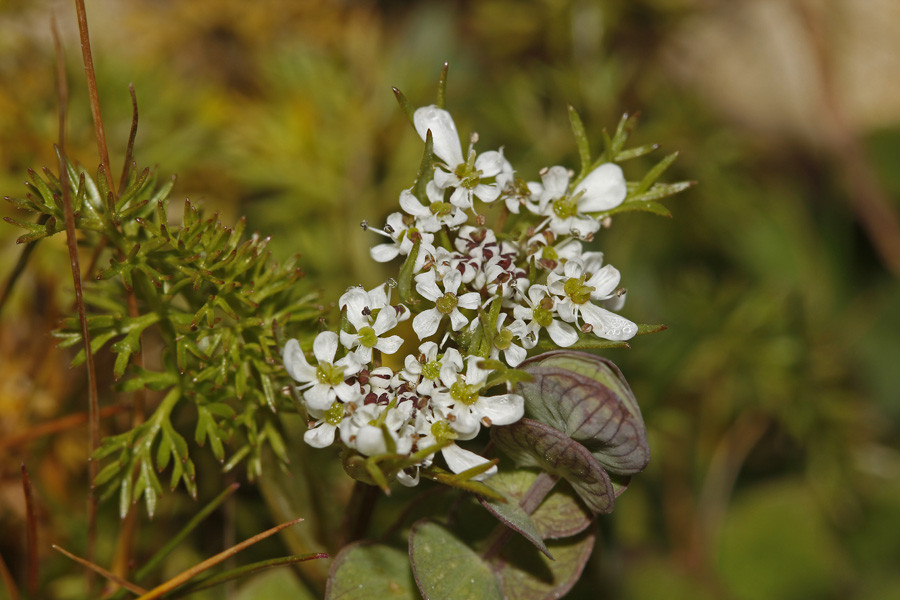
441 209
432 370
503 339
441 431
565 207
465 393
577 291
549 253
335 413
329 374
543 314
367 337
446 303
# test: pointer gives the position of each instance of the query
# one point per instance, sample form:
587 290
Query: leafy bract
586 398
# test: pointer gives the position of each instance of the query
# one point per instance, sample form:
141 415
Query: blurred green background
772 400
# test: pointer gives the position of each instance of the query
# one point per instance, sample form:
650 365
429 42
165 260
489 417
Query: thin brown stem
93 402
100 570
94 96
189 574
359 513
31 534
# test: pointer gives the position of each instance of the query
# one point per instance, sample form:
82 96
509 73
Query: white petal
460 460
457 320
411 204
356 300
325 346
370 440
605 281
556 182
386 320
606 324
604 188
442 180
426 323
487 192
295 362
407 480
490 163
319 397
349 340
562 334
504 409
321 436
389 345
515 355
427 287
384 252
469 300
443 132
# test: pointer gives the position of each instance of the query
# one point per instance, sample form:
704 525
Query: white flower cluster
479 294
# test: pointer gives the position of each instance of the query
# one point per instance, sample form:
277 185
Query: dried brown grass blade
136 589
189 574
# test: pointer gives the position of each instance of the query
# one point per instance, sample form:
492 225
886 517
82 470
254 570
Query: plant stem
359 513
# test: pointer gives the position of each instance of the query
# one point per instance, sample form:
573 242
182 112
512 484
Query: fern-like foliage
210 298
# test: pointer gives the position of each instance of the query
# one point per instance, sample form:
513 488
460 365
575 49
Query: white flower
361 309
469 178
577 286
503 341
363 430
321 431
446 302
540 312
324 382
433 430
466 409
434 216
602 189
403 237
424 370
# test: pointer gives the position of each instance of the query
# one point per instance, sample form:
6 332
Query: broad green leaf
586 398
514 516
559 514
365 571
447 569
526 574
531 443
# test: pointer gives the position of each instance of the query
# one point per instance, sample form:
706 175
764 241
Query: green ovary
329 374
441 209
441 431
577 291
565 207
543 316
503 339
367 337
462 392
432 370
446 303
335 414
